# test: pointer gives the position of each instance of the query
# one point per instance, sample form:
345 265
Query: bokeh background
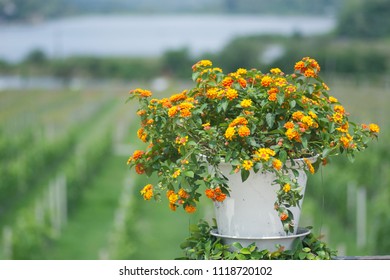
66 67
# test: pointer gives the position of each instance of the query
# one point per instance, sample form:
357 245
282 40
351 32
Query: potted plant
249 122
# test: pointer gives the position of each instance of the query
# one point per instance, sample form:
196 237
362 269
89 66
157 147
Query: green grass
160 231
87 231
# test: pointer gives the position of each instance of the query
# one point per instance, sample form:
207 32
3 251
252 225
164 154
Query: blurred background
66 67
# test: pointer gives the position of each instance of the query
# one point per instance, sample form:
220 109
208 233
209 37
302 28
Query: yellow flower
246 103
286 188
182 140
244 131
275 71
173 198
337 117
247 164
230 132
205 63
241 71
266 81
212 93
176 173
313 115
333 99
147 192
231 93
343 128
374 128
308 120
264 154
339 109
173 111
309 166
280 82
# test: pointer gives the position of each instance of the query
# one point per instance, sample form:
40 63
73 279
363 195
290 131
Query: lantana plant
254 121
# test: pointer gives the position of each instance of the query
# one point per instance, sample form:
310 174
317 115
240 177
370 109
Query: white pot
249 210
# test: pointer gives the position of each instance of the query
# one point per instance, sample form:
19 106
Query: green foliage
176 62
201 245
365 19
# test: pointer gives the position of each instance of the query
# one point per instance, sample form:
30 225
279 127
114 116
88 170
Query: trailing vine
201 245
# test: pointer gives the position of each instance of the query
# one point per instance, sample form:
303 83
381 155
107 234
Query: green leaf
351 157
189 174
304 142
245 251
283 156
302 255
270 119
244 174
240 257
237 245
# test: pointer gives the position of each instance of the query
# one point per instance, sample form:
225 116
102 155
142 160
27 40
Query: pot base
262 243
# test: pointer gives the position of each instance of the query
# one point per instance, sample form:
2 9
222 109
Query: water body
145 35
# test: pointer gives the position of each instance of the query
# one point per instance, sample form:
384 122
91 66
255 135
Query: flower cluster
252 120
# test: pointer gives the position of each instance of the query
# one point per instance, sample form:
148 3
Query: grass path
87 231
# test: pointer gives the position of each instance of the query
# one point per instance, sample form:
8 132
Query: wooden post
351 202
361 218
7 243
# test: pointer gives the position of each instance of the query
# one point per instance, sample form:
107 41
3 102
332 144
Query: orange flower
277 164
190 209
300 65
210 193
178 96
139 168
137 154
227 82
219 195
298 115
244 131
283 216
238 121
242 82
216 194
289 125
172 206
183 194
